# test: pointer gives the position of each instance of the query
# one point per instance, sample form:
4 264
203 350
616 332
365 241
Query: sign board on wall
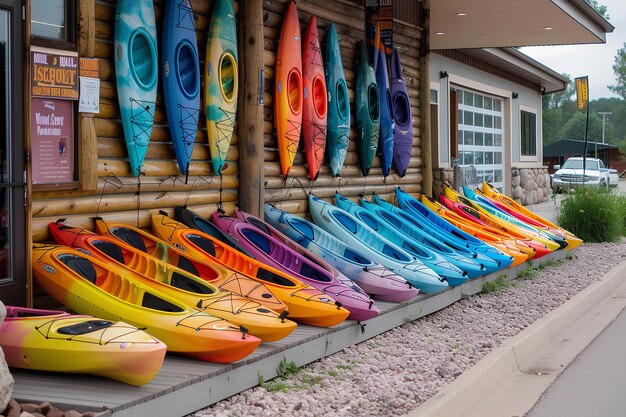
89 74
54 73
379 17
52 141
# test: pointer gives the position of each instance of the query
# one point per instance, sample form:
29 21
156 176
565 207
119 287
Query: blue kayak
385 138
181 78
360 237
429 229
403 120
442 266
136 75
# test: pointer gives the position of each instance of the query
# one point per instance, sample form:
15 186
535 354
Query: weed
285 369
497 285
569 256
456 346
333 373
528 273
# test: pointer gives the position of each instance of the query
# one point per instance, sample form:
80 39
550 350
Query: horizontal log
159 168
276 195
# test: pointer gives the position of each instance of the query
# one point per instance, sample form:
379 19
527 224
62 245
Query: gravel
393 373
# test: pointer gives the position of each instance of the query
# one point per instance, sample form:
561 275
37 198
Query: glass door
13 288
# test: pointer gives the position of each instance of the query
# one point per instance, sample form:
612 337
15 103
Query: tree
602 10
619 68
558 98
574 128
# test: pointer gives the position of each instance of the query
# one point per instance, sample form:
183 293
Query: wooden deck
184 385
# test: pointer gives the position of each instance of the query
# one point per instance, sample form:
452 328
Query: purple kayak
403 129
273 252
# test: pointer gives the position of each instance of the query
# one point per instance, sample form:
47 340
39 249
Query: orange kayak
314 100
224 278
513 247
572 240
178 283
304 303
89 286
288 89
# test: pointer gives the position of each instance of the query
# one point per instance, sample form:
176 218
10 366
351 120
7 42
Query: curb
519 352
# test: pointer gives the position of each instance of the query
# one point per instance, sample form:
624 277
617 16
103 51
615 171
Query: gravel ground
393 373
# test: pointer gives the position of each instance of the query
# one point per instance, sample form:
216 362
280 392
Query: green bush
594 215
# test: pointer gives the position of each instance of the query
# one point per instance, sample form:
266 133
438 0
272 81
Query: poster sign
379 17
582 92
89 76
52 141
54 74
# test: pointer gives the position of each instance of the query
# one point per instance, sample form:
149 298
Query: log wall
120 196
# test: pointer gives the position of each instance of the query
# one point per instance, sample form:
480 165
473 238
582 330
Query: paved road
593 385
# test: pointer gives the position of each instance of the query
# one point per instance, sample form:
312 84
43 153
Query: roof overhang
508 23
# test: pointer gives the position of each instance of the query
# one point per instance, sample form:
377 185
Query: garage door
481 132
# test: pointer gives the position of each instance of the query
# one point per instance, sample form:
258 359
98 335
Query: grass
594 215
286 380
497 285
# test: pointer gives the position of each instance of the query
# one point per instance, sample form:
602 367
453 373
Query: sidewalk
511 379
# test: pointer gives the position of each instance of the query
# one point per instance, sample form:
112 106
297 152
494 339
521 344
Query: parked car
613 178
570 175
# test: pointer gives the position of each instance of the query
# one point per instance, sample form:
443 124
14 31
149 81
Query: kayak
56 341
136 75
444 268
89 286
271 251
224 278
403 120
338 134
418 222
385 138
419 210
359 236
367 111
465 263
375 279
288 89
304 303
180 72
492 192
314 100
177 283
221 78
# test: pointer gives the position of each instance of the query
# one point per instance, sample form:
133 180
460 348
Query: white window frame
528 158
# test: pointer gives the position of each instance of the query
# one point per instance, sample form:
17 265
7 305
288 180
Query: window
52 19
528 133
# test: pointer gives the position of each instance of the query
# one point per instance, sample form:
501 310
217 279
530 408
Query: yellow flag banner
582 92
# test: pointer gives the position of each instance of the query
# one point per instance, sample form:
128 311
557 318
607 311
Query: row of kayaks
214 289
138 69
311 102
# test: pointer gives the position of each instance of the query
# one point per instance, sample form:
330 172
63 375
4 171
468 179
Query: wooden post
427 163
251 154
87 138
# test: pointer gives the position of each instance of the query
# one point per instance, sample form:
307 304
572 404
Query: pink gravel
393 373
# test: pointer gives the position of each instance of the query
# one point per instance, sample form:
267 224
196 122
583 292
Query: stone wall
530 185
442 176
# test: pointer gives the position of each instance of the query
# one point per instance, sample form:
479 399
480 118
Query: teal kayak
367 111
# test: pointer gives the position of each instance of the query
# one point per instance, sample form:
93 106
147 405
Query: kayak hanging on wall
181 78
136 74
403 128
338 103
314 100
385 139
221 75
367 111
288 89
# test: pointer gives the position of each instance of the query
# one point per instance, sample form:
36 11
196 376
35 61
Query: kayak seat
203 243
269 276
303 228
110 249
313 273
257 240
369 220
355 257
84 327
185 283
346 222
186 265
131 237
81 266
389 251
157 303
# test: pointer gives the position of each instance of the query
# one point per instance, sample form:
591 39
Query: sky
595 61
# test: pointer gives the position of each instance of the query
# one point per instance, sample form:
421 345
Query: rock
13 409
26 414
540 195
515 181
52 411
72 413
517 193
89 414
31 408
524 177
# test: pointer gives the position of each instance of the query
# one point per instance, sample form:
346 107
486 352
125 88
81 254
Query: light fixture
542 90
514 95
460 14
547 28
443 74
440 33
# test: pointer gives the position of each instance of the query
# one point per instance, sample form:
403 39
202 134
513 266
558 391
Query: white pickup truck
571 174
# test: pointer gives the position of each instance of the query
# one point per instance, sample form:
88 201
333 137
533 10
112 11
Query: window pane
488 139
468 158
497 104
469 118
478 158
488 158
498 157
497 174
460 117
478 138
497 139
459 96
478 119
498 122
469 98
49 19
488 120
478 101
433 96
528 133
469 137
488 103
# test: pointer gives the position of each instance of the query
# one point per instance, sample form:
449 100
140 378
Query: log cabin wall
348 17
120 196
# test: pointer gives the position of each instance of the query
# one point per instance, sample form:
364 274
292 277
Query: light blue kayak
442 266
360 237
429 229
373 278
415 208
465 263
180 70
136 74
